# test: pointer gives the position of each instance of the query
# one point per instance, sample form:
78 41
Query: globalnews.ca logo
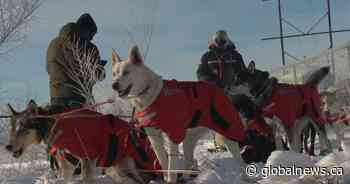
253 171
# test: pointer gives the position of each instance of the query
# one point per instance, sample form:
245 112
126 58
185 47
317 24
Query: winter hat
221 40
85 21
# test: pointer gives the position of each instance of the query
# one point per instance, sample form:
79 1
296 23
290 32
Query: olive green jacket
57 57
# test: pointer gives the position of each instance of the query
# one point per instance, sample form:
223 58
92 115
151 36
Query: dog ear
134 55
251 67
115 57
32 107
13 111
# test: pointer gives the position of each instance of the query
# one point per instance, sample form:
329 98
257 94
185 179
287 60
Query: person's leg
219 141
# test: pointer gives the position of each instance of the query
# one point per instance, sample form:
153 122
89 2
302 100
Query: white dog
133 80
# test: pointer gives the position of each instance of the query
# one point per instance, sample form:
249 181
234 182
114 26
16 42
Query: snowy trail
216 168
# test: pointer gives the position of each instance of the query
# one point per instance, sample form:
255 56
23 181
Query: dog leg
325 143
305 135
296 132
128 168
313 141
189 143
339 135
67 170
341 139
277 129
125 172
157 141
173 160
87 170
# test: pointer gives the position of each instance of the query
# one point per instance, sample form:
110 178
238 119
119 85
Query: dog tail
316 77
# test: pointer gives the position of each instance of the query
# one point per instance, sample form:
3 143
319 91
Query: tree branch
81 66
15 16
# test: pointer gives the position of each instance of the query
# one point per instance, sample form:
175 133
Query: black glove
103 62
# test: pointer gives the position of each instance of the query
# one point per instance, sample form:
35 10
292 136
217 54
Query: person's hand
103 62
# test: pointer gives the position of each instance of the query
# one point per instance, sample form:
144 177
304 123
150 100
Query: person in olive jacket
63 89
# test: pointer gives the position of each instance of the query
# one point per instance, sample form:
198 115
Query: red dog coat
182 105
89 134
290 102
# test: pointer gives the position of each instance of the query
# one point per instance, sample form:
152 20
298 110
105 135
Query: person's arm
204 72
55 62
240 61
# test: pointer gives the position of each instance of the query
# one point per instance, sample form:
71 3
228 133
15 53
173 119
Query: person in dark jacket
64 90
219 65
221 62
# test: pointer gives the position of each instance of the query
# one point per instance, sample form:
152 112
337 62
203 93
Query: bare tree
15 16
140 29
84 69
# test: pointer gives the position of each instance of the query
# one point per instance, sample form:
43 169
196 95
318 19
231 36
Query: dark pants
68 102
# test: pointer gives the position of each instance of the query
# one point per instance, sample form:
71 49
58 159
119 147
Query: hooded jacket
220 66
57 58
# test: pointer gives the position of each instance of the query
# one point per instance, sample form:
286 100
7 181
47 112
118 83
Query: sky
182 29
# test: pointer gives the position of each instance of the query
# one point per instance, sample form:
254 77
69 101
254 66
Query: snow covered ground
215 168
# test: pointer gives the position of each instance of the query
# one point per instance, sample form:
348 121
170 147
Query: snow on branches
84 69
14 18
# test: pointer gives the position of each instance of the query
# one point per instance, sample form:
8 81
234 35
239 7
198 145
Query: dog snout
9 147
115 86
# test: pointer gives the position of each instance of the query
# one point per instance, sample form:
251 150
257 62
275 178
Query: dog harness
104 137
290 102
182 105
